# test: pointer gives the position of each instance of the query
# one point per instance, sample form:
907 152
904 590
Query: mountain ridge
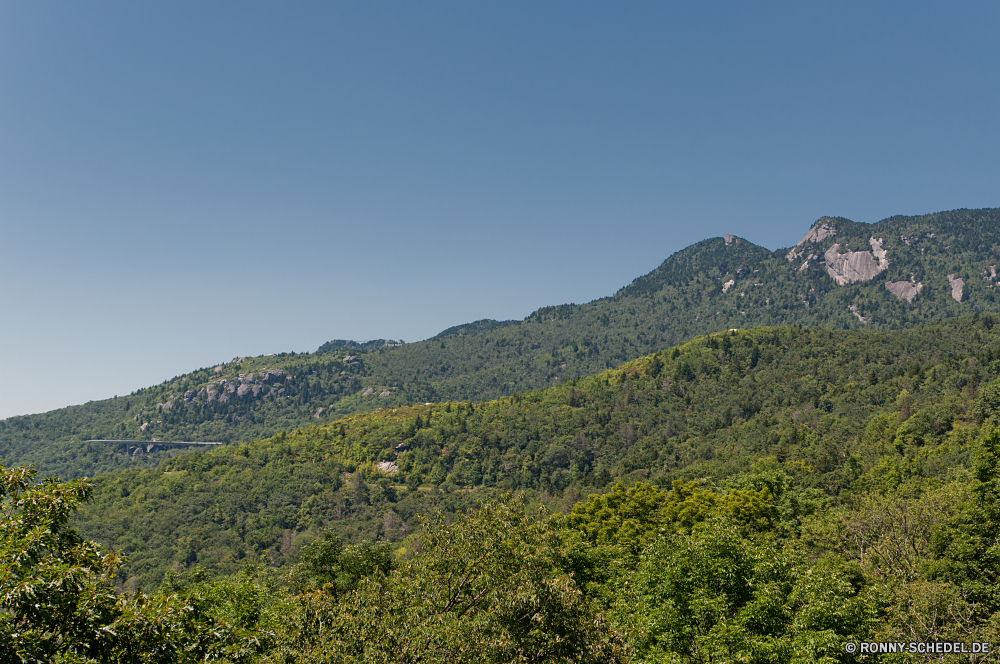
917 270
842 411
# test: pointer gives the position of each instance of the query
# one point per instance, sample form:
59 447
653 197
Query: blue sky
182 183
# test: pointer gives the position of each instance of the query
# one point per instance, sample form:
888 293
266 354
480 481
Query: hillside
838 412
897 273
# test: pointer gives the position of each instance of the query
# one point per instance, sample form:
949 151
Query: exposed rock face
730 238
729 284
854 266
820 231
904 290
272 376
854 310
956 287
881 254
385 393
370 391
318 412
387 467
245 386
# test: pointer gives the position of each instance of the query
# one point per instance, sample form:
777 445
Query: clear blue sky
182 183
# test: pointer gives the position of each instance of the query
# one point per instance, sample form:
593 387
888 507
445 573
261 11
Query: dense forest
744 455
940 265
835 410
766 495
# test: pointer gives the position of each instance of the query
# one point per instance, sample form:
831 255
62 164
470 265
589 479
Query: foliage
714 595
336 569
806 408
55 599
485 360
486 588
634 516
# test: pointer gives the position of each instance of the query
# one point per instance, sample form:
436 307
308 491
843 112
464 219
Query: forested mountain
838 413
898 273
766 495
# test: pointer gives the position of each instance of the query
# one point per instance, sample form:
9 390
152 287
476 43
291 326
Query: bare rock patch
854 266
904 290
956 287
820 231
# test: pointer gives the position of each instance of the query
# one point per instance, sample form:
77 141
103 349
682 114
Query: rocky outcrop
272 376
385 393
820 231
729 284
244 386
881 254
957 285
367 393
904 290
854 310
854 266
387 467
319 411
730 238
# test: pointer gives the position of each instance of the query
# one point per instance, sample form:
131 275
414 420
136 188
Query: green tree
713 595
488 587
56 599
337 569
